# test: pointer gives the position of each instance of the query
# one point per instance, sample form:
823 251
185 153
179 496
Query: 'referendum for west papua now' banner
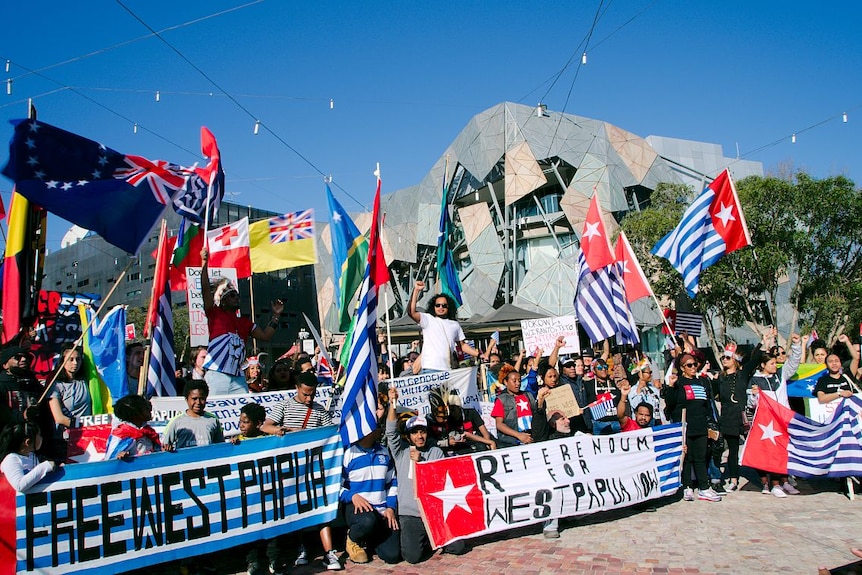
94 517
493 491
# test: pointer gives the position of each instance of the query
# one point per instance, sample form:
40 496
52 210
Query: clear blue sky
405 78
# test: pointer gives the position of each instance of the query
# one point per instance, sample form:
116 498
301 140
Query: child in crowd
251 418
133 436
196 427
20 466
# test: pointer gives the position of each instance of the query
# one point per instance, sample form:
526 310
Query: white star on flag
453 497
769 432
523 404
592 230
725 214
336 217
90 454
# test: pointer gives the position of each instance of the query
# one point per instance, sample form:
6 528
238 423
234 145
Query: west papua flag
784 442
229 248
711 226
594 238
88 444
603 406
634 279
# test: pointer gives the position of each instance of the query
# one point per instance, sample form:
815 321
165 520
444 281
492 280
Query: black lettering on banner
525 457
318 479
597 445
247 478
32 501
511 508
62 498
111 548
203 530
505 459
303 481
564 452
542 498
648 482
601 489
545 456
283 474
266 479
172 510
568 469
219 472
150 514
83 527
584 467
487 475
580 491
643 443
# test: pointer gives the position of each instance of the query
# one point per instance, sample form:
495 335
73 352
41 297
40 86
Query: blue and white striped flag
601 306
161 370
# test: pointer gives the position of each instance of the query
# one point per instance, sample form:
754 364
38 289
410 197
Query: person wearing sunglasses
441 334
686 391
731 392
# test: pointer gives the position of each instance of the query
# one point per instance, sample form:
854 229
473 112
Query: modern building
86 263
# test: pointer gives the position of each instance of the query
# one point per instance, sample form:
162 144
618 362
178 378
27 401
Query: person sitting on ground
133 436
455 429
415 546
369 495
18 461
196 426
513 410
837 383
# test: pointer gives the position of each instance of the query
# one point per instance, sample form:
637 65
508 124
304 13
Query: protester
837 383
199 356
731 393
254 375
369 493
134 362
20 466
643 413
407 364
415 546
817 352
228 333
585 391
19 390
440 332
281 376
133 436
643 390
689 392
70 396
513 410
195 427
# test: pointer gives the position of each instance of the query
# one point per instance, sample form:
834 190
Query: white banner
543 333
198 331
413 390
822 412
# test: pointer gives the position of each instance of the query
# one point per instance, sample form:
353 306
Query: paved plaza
748 532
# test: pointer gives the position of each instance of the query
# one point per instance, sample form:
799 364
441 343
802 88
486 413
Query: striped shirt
371 474
291 413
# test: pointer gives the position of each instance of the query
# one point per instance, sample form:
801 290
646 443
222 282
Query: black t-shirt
829 384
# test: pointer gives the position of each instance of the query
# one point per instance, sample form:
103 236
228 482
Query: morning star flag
282 242
782 441
120 197
161 370
633 276
349 258
104 354
711 227
450 283
601 306
504 489
229 248
358 415
595 244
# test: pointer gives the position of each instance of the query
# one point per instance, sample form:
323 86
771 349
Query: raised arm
414 297
555 353
206 289
266 333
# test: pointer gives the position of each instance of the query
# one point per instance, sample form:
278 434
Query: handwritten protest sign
562 399
168 506
543 333
507 488
413 390
198 330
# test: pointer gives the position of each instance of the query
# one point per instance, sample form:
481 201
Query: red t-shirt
228 334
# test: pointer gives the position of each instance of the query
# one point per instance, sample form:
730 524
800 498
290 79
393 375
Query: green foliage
138 316
807 231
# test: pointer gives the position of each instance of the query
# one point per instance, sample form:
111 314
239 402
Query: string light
844 117
158 96
256 127
135 128
9 86
332 105
8 65
793 139
584 59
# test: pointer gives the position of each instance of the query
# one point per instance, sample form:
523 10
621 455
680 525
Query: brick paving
747 533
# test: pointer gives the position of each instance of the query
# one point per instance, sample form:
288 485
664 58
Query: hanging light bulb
135 128
8 65
793 139
9 86
844 117
331 103
584 58
256 127
158 96
477 195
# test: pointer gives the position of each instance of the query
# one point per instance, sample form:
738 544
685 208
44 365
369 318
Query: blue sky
406 77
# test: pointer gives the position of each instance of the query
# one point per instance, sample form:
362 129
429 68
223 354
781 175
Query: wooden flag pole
148 326
251 296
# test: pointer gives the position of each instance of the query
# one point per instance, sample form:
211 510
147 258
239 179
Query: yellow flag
282 242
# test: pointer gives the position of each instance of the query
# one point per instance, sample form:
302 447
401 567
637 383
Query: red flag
160 279
379 272
2 209
726 212
452 501
634 279
766 446
594 239
184 256
229 248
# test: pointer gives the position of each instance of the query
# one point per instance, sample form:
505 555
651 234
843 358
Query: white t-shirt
439 336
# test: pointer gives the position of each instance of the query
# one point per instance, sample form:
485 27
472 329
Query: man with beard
19 390
585 391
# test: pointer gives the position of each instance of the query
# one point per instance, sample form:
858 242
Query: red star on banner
452 503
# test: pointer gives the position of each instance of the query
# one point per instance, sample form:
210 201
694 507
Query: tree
138 316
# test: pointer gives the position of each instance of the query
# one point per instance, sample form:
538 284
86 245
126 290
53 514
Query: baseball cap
568 362
415 422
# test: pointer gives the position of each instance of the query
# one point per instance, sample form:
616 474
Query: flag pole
251 297
148 325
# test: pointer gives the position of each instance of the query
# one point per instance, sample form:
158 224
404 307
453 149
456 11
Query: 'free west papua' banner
497 490
167 506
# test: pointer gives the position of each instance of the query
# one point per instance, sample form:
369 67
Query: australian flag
120 197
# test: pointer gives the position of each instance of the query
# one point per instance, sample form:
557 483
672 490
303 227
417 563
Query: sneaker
778 492
551 534
718 488
356 553
732 486
789 489
688 494
708 495
331 561
765 489
277 568
792 480
302 558
254 568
